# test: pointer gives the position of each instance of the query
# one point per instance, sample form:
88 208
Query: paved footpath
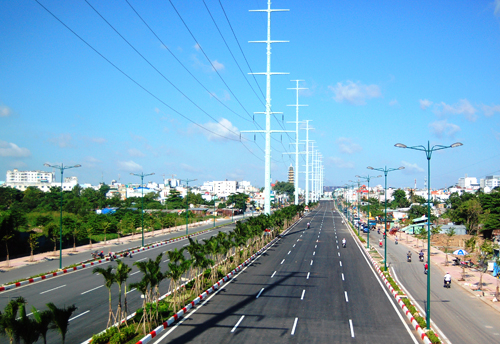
22 267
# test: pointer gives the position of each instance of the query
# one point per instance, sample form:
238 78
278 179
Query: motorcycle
396 241
97 255
408 259
456 262
308 226
421 258
343 245
425 270
380 243
447 284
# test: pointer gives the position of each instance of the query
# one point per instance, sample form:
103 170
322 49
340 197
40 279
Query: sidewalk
470 282
110 245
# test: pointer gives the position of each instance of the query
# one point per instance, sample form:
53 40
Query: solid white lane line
138 260
131 290
166 260
342 276
260 292
185 245
282 262
340 263
294 326
352 328
311 262
314 253
79 315
274 273
88 291
303 292
289 252
46 291
308 275
346 298
135 273
235 326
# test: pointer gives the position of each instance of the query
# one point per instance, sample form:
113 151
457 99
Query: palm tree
8 320
43 320
174 273
28 329
142 287
105 227
109 280
60 318
121 276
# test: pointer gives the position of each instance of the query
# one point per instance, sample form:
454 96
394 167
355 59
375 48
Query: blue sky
377 73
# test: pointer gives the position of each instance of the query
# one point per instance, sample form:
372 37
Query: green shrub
421 321
433 338
123 336
409 305
104 337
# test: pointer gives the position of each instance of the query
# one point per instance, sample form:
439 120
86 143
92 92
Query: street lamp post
214 198
368 178
352 181
187 203
61 168
385 170
428 153
142 175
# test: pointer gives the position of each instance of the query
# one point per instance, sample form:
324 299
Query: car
365 230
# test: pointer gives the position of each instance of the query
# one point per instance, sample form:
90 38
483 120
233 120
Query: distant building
42 180
490 182
468 182
291 174
225 188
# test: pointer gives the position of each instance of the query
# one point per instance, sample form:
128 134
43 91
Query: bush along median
210 264
417 321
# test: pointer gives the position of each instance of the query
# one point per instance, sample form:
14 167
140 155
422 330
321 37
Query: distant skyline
377 73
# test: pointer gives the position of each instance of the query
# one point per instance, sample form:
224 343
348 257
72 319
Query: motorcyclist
396 240
408 256
426 268
308 225
380 242
421 255
447 278
343 242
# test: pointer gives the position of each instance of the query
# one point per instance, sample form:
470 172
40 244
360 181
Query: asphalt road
303 289
51 265
88 293
456 312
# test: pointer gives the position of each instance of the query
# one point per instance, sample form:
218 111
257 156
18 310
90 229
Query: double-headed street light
385 170
367 178
61 168
142 175
428 153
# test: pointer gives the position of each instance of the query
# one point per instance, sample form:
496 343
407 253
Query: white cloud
355 92
497 8
197 47
411 168
347 146
90 161
63 140
340 163
99 140
393 102
443 128
136 153
463 107
425 103
221 131
490 110
189 168
11 149
217 65
129 166
5 111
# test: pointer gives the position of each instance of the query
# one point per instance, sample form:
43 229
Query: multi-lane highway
458 314
305 288
88 293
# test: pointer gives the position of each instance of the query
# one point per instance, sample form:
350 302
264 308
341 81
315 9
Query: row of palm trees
202 263
17 326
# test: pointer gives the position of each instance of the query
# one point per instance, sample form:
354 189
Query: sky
163 87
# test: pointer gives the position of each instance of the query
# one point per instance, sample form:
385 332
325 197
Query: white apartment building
467 182
225 188
490 182
29 177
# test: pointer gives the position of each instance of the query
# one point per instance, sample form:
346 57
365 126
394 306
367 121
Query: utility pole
307 128
268 131
297 105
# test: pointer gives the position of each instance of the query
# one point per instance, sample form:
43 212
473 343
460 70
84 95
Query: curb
209 291
414 323
88 263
